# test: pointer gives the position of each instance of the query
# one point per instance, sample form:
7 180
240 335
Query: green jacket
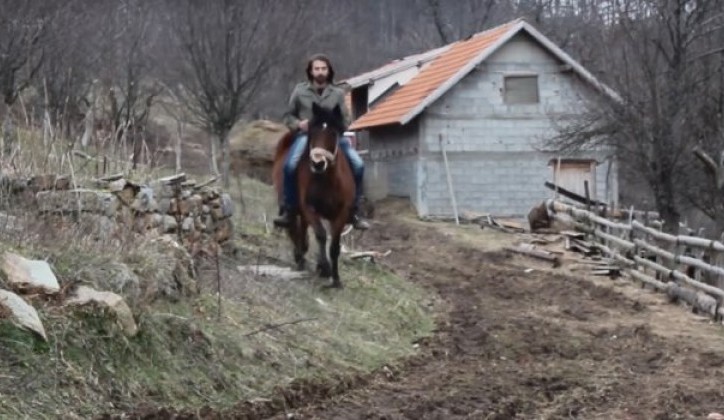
302 98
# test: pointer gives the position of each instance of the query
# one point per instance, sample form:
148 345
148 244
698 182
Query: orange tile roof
409 96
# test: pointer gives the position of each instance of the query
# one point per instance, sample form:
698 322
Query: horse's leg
334 251
303 242
298 233
320 233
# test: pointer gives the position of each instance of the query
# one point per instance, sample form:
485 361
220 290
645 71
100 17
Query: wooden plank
616 240
700 301
680 277
536 253
680 259
623 213
584 215
692 241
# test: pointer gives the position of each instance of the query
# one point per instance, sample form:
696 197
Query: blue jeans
295 154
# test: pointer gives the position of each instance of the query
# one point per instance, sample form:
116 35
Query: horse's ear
316 109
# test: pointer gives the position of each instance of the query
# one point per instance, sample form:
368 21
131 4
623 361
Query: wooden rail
633 244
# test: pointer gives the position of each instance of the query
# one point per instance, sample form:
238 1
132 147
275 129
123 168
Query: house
483 105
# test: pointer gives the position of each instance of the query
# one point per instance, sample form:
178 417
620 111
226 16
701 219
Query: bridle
317 154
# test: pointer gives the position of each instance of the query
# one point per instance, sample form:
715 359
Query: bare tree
130 36
654 49
227 50
23 26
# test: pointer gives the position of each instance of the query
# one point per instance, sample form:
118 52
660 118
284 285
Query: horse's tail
280 153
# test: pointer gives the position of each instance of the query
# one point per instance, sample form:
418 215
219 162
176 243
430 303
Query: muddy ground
517 344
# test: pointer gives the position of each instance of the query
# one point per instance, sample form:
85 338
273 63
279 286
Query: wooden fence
674 264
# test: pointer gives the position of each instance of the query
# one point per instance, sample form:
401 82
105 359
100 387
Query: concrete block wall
496 151
502 184
391 162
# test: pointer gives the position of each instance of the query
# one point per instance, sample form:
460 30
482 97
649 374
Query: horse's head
325 128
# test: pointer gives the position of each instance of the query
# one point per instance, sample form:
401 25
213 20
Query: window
520 89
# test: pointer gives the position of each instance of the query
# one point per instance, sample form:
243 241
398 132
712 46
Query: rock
184 208
9 223
217 214
147 222
224 230
173 179
145 201
127 195
188 224
538 218
208 194
164 205
215 203
169 224
227 206
21 313
118 278
92 201
29 275
162 190
99 226
196 204
273 271
182 281
117 185
199 225
85 295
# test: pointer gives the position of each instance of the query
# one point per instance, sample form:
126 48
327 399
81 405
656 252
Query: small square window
520 90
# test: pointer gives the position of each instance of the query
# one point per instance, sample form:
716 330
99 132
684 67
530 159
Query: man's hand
304 125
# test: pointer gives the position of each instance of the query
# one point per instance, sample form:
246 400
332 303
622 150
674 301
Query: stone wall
195 213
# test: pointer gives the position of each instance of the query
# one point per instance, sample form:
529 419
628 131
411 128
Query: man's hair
326 60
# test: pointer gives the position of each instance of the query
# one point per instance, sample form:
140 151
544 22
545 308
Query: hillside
194 347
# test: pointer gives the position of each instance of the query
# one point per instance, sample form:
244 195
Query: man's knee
295 154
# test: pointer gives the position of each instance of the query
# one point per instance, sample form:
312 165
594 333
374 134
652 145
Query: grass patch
186 357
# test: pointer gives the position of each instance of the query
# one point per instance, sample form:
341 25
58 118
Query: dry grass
184 355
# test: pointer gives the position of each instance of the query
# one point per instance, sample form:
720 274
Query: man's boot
357 222
284 218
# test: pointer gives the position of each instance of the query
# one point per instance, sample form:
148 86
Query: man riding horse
318 89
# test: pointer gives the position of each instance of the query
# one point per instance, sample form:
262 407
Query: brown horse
325 187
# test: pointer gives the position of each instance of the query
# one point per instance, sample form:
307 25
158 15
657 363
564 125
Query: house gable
452 65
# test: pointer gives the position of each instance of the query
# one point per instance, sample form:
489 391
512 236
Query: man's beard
320 79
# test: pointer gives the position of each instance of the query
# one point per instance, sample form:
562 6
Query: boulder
27 275
85 295
20 313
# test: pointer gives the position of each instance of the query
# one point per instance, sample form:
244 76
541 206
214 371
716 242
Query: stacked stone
171 205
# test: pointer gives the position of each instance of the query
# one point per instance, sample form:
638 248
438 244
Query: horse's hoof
334 285
324 272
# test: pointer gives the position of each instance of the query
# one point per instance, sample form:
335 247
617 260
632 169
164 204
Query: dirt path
535 345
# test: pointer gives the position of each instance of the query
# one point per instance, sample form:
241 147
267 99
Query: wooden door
573 175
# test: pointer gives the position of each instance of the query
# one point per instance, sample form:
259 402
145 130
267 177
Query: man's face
320 71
